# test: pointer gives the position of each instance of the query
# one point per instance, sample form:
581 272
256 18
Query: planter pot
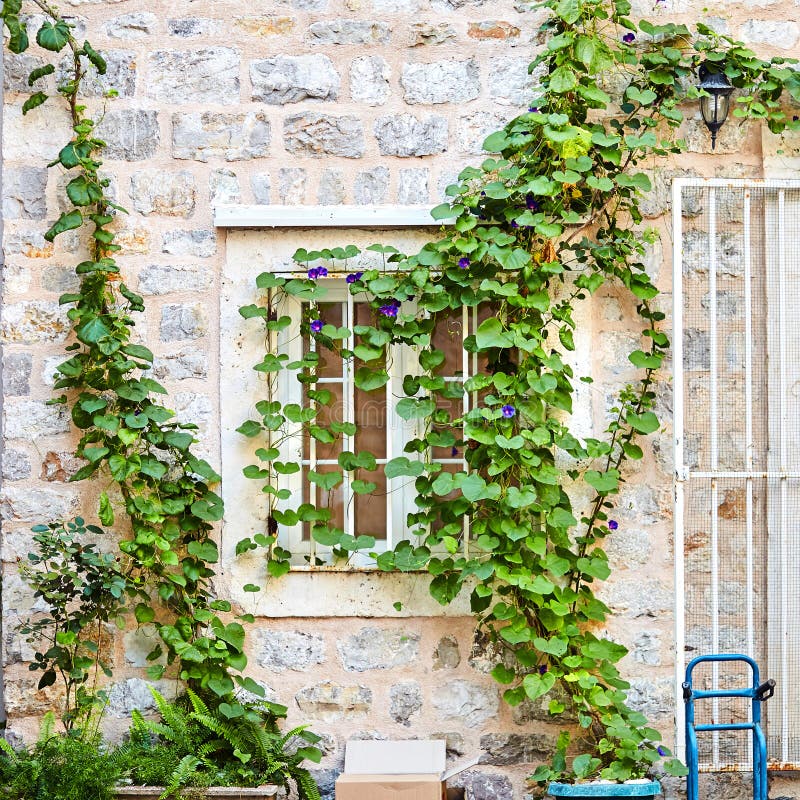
611 791
227 792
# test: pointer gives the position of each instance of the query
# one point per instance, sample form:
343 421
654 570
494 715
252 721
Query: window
369 422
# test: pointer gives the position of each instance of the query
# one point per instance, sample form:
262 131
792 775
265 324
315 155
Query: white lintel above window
371 216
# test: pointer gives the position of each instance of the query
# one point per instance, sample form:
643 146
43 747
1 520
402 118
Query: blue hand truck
758 693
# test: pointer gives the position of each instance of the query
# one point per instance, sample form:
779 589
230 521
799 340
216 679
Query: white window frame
306 591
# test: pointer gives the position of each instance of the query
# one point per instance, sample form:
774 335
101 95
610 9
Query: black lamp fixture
715 103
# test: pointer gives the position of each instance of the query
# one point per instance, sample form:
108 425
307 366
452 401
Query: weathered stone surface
132 134
647 648
186 363
36 504
16 68
474 128
629 547
348 31
405 700
616 347
24 192
136 25
404 135
17 374
193 407
260 185
331 187
454 742
412 187
30 244
483 785
60 466
319 135
375 648
233 137
441 82
278 651
729 249
640 598
652 698
16 280
223 187
696 349
200 243
120 74
776 33
49 370
31 419
16 465
163 279
32 321
209 75
138 643
529 711
326 782
472 703
191 27
289 79
486 653
183 322
371 186
395 6
504 749
446 654
157 191
423 33
659 199
331 702
134 694
509 81
369 80
134 240
698 139
292 185
492 29
266 24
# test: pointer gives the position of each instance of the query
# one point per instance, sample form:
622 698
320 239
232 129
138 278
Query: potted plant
230 750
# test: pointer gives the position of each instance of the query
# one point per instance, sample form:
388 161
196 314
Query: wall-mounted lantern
715 103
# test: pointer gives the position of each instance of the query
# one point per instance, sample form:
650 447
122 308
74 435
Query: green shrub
196 745
57 767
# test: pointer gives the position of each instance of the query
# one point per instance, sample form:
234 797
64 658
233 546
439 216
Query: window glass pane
370 509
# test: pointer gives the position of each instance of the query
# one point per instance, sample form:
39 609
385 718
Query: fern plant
58 767
194 745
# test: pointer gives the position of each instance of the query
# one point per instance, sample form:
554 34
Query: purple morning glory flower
530 203
317 272
316 325
390 309
514 223
661 751
454 452
508 411
795 118
463 262
353 277
628 38
613 524
533 109
542 669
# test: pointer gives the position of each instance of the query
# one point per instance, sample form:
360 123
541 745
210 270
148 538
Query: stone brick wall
313 102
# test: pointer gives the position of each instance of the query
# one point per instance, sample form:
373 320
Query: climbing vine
550 217
132 443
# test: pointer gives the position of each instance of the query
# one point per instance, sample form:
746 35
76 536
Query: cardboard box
408 770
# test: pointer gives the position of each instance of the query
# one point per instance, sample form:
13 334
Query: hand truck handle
687 692
766 690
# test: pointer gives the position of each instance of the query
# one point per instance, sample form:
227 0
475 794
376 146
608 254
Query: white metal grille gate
736 347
